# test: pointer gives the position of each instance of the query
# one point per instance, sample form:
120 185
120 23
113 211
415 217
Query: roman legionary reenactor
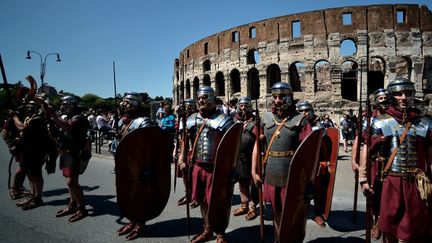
35 144
183 168
248 190
380 105
75 152
323 176
402 137
131 120
10 134
210 125
284 130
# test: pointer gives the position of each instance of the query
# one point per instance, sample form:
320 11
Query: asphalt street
41 225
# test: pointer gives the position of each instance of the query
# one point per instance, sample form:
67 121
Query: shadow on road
338 239
64 191
342 221
251 234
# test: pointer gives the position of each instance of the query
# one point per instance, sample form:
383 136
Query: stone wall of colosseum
395 40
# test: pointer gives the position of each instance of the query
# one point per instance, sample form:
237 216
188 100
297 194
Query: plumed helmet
281 88
207 90
400 84
68 100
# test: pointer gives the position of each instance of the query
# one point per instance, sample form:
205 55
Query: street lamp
43 64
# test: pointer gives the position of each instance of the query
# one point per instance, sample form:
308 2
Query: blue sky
142 37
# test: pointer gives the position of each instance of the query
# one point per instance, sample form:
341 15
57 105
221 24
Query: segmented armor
406 157
210 136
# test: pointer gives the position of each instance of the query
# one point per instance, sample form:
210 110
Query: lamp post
43 64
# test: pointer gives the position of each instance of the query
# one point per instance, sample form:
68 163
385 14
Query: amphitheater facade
307 51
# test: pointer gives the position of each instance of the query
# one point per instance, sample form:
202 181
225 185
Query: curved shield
223 184
299 189
143 171
333 134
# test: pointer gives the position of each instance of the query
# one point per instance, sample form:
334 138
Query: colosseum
307 50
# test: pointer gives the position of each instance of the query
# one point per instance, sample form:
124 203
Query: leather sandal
182 201
252 214
125 229
206 235
33 203
136 232
70 209
22 202
78 215
194 204
243 209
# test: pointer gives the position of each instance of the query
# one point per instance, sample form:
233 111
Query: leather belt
404 175
288 153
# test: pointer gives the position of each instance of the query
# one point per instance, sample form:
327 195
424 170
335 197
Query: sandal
70 209
252 214
194 204
78 215
221 239
33 203
206 235
182 201
243 209
125 229
22 202
136 232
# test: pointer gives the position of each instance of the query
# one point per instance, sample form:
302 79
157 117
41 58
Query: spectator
347 128
103 122
160 112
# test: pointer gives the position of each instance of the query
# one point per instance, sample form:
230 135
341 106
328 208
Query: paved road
40 224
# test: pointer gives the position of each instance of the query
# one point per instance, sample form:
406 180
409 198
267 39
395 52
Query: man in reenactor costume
284 129
75 151
380 105
131 120
10 134
322 178
209 125
189 108
248 190
403 137
35 143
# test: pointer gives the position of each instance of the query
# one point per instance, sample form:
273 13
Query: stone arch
206 80
376 72
195 87
177 94
404 67
322 79
220 84
348 47
188 89
349 80
235 81
273 75
253 83
206 65
296 75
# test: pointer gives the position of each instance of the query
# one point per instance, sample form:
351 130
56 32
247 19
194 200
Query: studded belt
288 153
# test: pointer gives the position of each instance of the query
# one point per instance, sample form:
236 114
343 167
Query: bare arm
255 160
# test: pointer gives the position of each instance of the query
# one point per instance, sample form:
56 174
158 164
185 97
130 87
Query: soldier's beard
280 110
207 112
